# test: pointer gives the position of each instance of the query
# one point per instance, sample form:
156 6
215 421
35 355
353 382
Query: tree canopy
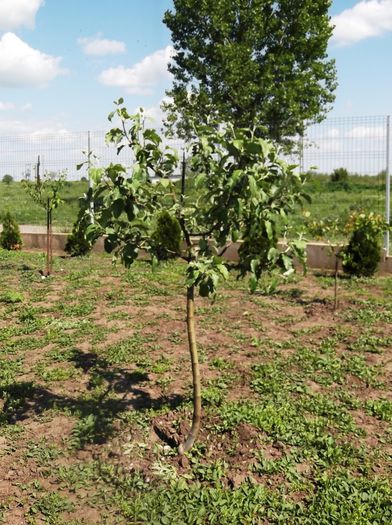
251 62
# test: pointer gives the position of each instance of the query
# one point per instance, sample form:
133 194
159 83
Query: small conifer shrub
10 238
166 237
363 254
77 244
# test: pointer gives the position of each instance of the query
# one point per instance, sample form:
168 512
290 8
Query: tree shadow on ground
97 412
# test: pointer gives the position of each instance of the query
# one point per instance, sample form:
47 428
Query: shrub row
360 257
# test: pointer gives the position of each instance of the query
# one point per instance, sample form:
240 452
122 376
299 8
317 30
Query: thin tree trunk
50 242
190 322
335 305
48 238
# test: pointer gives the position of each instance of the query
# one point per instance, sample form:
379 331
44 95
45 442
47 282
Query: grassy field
14 199
95 395
332 201
328 201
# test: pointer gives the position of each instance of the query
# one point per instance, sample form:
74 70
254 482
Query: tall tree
252 62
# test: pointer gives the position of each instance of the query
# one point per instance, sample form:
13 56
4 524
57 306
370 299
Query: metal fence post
301 153
388 183
90 182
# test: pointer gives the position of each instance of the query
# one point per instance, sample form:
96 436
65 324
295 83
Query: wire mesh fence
361 145
358 144
58 153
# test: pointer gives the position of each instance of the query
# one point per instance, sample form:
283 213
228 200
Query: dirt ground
96 389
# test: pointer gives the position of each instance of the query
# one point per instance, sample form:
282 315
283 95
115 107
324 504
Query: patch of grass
161 365
380 408
49 374
11 297
370 312
127 350
367 342
88 429
42 451
50 506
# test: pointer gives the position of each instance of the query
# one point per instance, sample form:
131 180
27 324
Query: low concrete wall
37 241
319 255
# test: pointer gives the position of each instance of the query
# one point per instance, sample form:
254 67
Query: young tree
46 193
334 232
244 192
252 62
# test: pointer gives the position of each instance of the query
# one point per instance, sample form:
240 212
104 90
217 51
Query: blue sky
63 62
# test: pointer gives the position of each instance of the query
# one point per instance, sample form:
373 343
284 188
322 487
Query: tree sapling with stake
244 192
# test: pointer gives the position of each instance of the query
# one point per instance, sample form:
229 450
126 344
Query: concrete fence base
319 254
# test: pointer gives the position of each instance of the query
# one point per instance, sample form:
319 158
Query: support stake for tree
190 322
50 241
336 302
37 172
388 184
48 238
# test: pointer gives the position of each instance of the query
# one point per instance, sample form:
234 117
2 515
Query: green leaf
253 282
223 271
93 231
117 208
165 183
253 187
154 263
199 180
239 145
268 229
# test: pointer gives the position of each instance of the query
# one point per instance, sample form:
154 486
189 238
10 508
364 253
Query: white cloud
365 132
24 66
101 46
31 129
16 13
27 107
333 133
155 114
365 19
11 127
141 78
5 106
49 133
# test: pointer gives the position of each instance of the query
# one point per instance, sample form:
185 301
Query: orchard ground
95 395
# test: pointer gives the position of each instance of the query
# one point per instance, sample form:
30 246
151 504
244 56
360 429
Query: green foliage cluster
46 193
166 236
250 63
77 244
340 179
327 228
7 179
10 238
339 175
243 190
363 253
11 297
